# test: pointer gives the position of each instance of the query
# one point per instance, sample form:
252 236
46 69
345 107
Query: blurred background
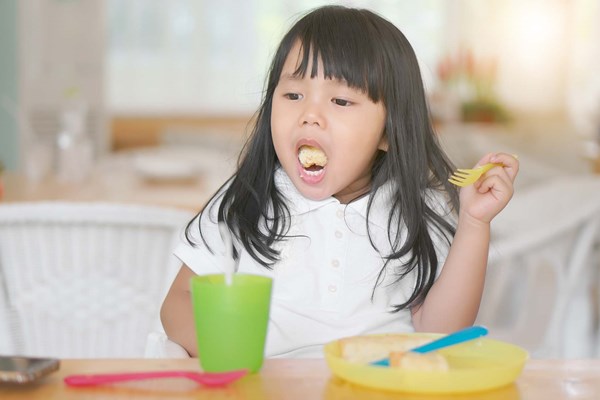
149 101
141 73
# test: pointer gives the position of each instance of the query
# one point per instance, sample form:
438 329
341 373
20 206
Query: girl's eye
341 102
292 96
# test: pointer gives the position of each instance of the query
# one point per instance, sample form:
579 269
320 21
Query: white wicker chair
84 280
542 268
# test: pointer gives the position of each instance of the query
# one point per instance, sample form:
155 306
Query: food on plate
433 361
366 349
311 156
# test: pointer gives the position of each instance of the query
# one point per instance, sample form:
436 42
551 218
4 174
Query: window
211 57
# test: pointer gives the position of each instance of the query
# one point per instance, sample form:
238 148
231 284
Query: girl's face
342 123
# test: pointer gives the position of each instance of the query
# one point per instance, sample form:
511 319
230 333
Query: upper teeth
309 155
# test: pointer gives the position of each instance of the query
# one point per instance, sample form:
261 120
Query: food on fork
432 361
366 349
310 156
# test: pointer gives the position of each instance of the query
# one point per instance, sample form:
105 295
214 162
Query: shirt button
338 234
335 263
332 288
339 213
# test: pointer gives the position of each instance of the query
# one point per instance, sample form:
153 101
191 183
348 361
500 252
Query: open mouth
312 159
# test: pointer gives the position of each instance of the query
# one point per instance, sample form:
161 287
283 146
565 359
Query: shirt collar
300 205
295 200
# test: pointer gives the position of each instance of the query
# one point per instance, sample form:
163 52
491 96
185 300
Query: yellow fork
466 177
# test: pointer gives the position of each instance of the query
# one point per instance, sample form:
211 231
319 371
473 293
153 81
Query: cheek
275 126
378 127
279 138
278 120
282 126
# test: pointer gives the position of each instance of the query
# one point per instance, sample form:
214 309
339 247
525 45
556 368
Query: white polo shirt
323 284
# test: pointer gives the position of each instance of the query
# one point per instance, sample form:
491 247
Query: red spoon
204 378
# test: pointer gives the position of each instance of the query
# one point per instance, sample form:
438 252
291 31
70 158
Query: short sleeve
203 256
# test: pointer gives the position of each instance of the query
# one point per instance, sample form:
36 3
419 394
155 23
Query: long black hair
370 54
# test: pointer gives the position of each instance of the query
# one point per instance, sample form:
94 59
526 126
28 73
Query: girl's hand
483 200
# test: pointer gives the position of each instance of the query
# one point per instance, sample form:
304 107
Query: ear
383 143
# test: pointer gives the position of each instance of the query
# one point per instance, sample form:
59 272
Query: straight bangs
346 53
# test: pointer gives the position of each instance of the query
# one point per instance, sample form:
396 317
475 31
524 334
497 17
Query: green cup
231 320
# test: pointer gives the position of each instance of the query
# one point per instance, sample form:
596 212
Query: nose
312 115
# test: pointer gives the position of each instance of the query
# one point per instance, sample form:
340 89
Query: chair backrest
84 279
542 262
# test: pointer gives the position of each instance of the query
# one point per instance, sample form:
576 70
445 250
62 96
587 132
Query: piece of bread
408 360
366 349
309 155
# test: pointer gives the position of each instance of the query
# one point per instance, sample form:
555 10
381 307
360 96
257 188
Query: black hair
370 54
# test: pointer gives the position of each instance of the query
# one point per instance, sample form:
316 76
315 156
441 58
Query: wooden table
123 188
302 379
119 178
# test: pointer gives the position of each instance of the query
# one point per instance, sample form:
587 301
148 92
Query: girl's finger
498 187
502 173
510 162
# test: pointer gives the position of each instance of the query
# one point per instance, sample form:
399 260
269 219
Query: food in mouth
312 158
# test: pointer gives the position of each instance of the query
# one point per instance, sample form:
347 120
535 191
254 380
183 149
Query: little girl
341 196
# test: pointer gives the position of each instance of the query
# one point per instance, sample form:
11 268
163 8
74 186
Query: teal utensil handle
457 337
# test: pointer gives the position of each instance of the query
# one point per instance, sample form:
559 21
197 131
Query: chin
311 192
314 195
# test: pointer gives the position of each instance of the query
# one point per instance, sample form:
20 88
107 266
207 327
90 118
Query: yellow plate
477 365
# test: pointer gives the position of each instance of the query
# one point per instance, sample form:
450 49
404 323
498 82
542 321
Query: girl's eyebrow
298 77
